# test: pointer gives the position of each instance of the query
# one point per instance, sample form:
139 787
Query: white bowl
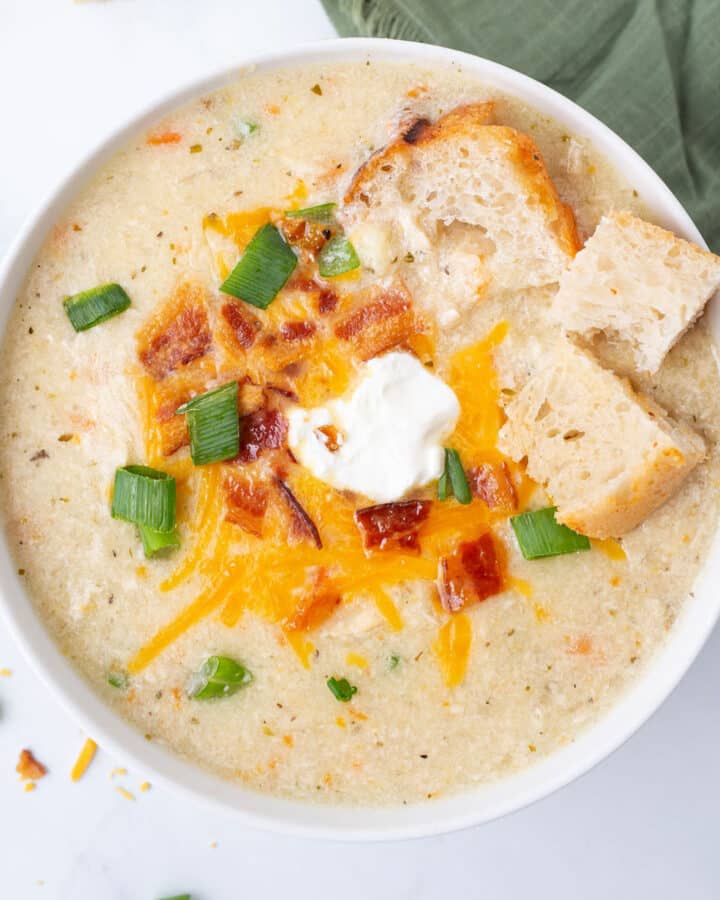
471 807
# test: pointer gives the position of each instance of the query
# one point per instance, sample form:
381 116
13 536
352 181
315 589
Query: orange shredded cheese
30 786
611 548
453 648
354 659
84 759
125 793
5 673
145 786
302 647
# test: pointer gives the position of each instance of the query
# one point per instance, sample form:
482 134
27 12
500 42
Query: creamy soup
366 688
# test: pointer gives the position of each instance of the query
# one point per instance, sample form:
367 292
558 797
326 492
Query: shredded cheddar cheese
84 759
452 648
125 793
354 659
611 548
233 566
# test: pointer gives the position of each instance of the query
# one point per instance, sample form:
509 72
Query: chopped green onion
264 267
442 489
219 676
453 480
144 496
155 541
95 305
324 213
341 689
118 680
178 897
337 257
214 424
539 535
394 661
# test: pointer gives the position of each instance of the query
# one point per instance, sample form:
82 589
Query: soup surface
272 568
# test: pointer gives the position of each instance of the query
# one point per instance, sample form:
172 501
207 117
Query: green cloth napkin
650 69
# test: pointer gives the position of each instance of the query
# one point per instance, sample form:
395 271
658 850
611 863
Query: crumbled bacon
244 325
184 338
392 526
264 429
302 526
327 298
297 331
308 237
28 767
493 485
246 500
470 574
316 605
327 301
379 325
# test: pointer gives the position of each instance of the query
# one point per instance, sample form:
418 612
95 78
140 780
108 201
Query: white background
643 824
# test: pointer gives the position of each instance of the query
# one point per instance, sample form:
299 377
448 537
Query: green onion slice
219 676
442 488
539 535
337 257
214 424
264 267
394 661
453 480
96 305
341 689
323 214
155 542
118 680
144 496
178 897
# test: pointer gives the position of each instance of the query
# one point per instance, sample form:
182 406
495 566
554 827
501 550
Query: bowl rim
459 810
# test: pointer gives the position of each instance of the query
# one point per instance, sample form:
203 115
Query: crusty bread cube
607 456
463 171
636 282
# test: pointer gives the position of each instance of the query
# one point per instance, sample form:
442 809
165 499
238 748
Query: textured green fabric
650 69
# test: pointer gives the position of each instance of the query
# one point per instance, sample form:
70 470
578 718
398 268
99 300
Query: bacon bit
184 338
264 429
392 526
164 137
316 606
29 768
297 331
243 325
379 325
308 237
331 437
327 301
494 486
470 574
302 525
327 296
246 502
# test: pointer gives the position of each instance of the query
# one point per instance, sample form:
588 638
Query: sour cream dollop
390 428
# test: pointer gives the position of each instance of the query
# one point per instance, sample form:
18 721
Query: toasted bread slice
639 283
486 181
607 456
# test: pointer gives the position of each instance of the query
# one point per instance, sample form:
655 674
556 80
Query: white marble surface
643 824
